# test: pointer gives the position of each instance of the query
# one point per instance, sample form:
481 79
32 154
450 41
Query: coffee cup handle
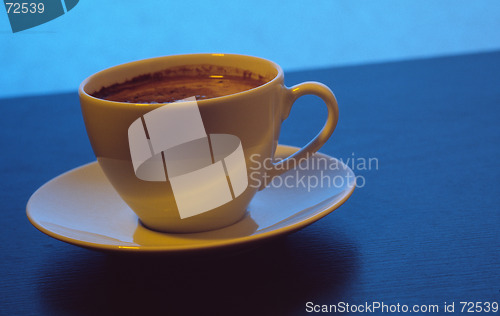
291 95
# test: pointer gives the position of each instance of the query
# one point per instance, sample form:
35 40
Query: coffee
127 138
173 84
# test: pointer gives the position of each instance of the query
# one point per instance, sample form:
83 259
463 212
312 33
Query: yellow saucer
81 207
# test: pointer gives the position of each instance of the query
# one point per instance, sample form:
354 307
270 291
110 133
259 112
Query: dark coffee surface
162 88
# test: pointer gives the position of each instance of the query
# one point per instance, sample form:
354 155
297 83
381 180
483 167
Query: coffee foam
177 83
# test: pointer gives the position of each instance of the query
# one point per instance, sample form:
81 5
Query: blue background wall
58 55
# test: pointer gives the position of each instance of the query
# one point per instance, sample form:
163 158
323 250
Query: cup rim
279 74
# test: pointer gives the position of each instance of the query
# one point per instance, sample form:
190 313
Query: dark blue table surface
424 228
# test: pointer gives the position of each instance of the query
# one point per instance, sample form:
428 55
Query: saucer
81 207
